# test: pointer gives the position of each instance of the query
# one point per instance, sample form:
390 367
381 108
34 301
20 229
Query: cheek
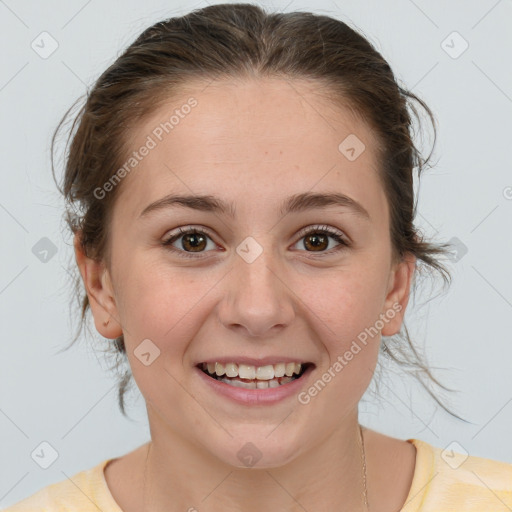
346 306
168 304
345 301
166 310
349 310
165 305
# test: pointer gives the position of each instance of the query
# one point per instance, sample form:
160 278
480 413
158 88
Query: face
258 282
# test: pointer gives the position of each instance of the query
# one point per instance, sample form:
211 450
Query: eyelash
325 230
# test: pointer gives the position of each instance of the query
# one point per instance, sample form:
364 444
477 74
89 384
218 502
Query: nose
258 302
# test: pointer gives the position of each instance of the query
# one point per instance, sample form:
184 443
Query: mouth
255 377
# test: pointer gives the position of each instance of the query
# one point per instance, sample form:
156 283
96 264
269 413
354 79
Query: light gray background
69 399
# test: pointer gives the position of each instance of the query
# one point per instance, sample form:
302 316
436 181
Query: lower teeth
255 384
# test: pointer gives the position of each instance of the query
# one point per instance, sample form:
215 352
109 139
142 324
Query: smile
255 377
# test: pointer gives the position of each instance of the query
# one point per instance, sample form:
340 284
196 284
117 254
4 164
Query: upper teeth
245 371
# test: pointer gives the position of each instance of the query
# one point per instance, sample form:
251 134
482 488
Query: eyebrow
293 204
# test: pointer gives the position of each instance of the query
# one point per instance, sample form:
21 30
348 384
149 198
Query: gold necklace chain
363 459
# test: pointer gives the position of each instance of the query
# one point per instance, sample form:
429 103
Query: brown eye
193 240
316 242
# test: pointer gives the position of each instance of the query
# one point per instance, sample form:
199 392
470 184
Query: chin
258 451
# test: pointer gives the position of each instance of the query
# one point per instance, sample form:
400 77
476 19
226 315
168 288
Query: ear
397 298
98 285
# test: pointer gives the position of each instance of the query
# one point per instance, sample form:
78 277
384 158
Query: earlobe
97 283
397 298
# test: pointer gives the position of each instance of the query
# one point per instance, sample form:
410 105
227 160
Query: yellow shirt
442 482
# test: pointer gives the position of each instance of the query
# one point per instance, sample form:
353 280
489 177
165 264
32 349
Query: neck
327 475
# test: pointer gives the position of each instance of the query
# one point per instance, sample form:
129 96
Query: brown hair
234 41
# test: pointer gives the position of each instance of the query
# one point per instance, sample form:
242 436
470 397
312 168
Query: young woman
245 237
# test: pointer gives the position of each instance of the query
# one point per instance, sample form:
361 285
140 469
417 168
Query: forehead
255 139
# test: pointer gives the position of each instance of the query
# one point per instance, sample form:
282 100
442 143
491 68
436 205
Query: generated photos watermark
304 397
152 140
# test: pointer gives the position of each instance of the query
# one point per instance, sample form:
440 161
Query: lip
264 361
256 396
